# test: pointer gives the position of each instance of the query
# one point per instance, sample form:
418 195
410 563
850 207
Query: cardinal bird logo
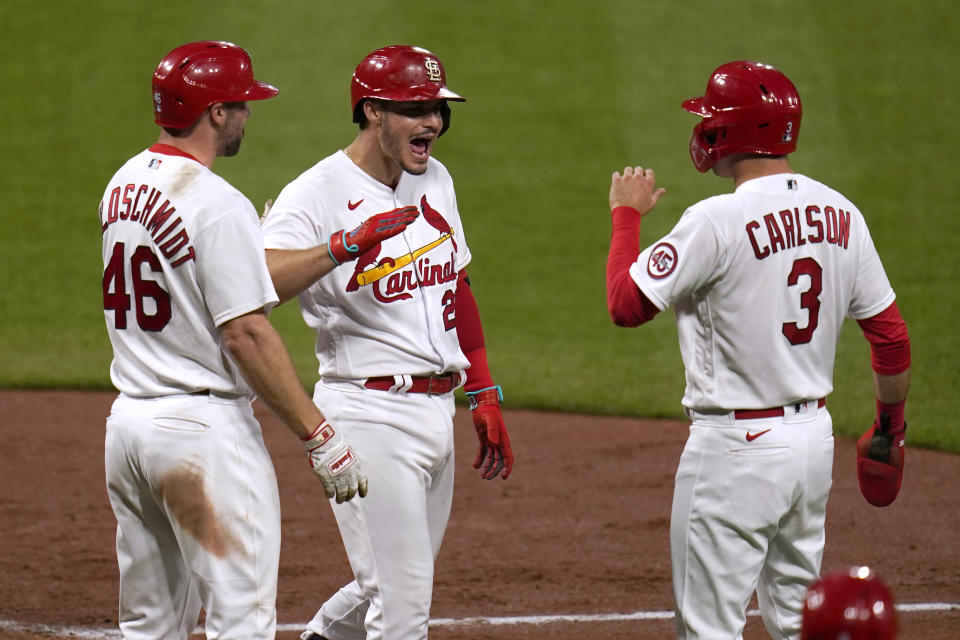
388 276
436 220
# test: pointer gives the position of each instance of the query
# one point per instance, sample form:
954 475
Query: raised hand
635 188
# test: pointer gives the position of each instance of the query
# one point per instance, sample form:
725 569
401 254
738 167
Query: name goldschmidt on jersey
172 239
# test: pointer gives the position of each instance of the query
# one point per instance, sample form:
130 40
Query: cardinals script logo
389 279
663 260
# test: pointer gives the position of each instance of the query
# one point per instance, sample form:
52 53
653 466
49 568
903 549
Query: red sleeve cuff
889 342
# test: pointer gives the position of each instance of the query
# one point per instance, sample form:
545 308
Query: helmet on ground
196 75
849 604
400 74
748 107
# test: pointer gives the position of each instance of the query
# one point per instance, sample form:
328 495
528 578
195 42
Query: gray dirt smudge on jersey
184 179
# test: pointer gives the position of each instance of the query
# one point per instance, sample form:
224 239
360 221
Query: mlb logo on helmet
788 134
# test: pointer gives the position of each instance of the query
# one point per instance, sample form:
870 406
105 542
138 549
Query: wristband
471 395
330 249
320 436
895 411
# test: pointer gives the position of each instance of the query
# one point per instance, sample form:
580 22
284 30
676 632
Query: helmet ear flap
445 114
703 146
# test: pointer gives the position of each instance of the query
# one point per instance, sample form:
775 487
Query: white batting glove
335 463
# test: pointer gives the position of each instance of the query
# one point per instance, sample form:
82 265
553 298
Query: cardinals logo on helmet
433 70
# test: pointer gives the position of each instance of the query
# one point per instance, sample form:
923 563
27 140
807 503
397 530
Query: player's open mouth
420 147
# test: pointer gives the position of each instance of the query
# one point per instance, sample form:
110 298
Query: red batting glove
492 433
345 246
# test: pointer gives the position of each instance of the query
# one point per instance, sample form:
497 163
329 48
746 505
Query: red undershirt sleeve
470 335
889 342
626 303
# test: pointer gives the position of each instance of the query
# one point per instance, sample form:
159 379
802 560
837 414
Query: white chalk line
105 633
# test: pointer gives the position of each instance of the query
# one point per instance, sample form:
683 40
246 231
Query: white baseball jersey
761 280
391 311
182 254
172 234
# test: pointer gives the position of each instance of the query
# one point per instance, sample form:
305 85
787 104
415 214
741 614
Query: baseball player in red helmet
849 604
185 296
370 239
760 280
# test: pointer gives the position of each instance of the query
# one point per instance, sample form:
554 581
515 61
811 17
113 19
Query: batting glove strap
487 395
319 437
338 250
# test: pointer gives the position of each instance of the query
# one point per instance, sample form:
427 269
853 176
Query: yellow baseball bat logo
383 270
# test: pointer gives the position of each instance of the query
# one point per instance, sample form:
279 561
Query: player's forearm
627 305
293 272
266 365
891 389
889 354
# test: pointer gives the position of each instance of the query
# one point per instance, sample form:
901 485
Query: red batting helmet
196 75
748 107
849 604
402 74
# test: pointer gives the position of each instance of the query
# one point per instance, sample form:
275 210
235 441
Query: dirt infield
580 528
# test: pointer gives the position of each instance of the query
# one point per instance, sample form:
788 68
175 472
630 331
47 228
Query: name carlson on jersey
787 229
126 206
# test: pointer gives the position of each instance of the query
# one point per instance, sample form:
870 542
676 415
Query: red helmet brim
696 106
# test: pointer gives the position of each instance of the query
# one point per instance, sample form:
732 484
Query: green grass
560 94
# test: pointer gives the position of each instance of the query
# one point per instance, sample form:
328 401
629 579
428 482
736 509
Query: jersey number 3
116 298
809 300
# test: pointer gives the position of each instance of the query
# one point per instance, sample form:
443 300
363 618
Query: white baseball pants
393 535
198 517
749 515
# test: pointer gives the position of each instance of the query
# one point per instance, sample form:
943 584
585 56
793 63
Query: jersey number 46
117 299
